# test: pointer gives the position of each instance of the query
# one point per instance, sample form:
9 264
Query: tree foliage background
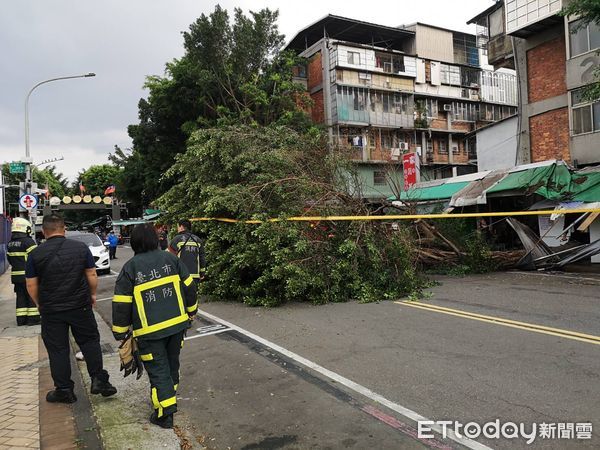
232 71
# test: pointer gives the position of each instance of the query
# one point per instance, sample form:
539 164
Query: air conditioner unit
447 107
404 146
364 76
395 154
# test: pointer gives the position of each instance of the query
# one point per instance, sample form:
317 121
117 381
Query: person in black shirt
61 280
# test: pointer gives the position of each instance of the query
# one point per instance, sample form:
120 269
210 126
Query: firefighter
190 249
154 297
19 247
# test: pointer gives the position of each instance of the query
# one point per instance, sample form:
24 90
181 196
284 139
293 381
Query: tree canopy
232 71
97 178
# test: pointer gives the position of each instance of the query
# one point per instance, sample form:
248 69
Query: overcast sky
123 41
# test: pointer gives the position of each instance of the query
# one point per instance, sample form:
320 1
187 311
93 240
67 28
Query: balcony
358 112
526 18
500 52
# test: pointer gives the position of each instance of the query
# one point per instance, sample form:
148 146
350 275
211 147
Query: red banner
410 164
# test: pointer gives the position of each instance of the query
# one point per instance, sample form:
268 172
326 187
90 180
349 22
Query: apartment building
384 92
554 59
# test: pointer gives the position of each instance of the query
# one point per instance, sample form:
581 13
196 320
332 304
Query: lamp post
28 160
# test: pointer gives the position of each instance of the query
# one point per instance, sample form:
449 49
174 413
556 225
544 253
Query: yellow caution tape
401 216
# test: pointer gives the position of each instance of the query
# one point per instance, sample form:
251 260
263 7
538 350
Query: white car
98 249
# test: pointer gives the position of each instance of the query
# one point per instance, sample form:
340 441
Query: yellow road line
567 334
400 217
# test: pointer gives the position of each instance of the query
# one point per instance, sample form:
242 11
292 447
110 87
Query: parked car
97 247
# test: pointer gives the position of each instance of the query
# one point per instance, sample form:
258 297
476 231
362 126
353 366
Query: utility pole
28 187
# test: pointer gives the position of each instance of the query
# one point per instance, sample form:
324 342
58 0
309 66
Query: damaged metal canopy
553 180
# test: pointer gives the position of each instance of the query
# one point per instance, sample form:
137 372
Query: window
582 40
431 106
443 148
450 74
390 63
354 58
400 104
379 178
359 101
466 112
429 149
585 115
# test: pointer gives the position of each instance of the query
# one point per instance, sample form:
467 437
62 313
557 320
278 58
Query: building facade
554 58
383 92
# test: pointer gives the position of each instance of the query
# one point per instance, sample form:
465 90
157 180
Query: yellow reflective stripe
192 308
122 298
139 302
188 280
33 247
160 326
169 402
156 403
17 272
176 386
195 275
147 357
118 329
22 312
17 253
32 311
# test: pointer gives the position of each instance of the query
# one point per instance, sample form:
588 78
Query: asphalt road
357 375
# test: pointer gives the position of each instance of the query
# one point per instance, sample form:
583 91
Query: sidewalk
24 381
29 422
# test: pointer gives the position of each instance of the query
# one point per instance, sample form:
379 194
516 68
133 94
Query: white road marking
222 330
103 299
408 413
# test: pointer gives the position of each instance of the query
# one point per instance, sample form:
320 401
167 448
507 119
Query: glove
130 357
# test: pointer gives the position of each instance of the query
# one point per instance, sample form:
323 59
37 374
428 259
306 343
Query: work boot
61 396
163 422
102 387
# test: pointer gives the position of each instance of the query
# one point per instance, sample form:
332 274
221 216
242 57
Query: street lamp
28 159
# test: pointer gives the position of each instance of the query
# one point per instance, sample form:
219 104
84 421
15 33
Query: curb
123 418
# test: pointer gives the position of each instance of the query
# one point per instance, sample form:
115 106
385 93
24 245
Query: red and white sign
410 164
28 201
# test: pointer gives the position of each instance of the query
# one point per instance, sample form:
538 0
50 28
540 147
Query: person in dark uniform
163 239
154 297
190 249
62 281
19 248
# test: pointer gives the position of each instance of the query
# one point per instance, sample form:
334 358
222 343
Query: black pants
161 360
27 312
112 252
55 333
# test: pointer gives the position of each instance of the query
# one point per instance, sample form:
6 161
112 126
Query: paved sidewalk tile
20 425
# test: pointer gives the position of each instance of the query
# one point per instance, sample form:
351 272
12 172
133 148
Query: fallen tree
246 172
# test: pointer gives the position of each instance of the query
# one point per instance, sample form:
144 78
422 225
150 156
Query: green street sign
17 167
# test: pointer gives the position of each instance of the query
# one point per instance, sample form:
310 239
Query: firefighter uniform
19 248
154 297
189 248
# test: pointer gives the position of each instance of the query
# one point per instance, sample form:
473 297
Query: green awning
439 192
554 182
